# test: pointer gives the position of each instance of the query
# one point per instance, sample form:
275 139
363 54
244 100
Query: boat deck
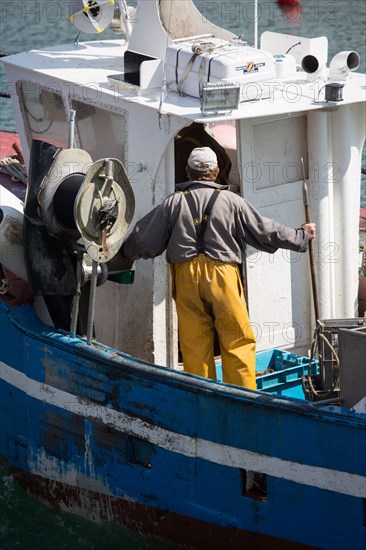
70 66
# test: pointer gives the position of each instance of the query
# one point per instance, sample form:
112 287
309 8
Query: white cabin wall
348 136
320 188
280 294
165 326
278 286
140 318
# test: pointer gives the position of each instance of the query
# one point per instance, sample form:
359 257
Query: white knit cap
202 159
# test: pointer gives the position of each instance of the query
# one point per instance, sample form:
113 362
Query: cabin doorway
220 137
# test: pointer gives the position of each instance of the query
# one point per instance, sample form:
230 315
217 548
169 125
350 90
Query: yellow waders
209 293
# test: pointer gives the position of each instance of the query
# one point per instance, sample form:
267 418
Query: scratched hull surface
118 440
27 523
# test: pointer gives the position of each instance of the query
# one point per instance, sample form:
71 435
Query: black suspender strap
200 224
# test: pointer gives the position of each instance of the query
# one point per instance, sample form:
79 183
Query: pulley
104 208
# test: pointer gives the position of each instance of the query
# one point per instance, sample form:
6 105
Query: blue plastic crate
282 372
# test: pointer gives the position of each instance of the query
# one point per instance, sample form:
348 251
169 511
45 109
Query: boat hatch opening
43 114
254 484
100 132
141 452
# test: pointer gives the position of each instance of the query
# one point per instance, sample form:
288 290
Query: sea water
27 524
33 24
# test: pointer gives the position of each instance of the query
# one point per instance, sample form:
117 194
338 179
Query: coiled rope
12 167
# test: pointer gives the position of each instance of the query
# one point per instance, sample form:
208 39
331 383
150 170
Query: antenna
256 23
91 16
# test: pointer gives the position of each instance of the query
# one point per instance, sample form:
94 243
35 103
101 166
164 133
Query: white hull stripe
322 478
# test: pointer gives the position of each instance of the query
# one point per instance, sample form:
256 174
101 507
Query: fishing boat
97 416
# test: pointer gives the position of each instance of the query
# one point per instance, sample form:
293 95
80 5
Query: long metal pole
91 311
71 128
124 12
256 23
76 299
311 248
94 277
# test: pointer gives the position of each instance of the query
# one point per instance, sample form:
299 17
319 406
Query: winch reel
89 202
88 207
104 208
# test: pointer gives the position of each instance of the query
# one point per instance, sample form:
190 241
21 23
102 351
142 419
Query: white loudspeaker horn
342 64
91 16
314 68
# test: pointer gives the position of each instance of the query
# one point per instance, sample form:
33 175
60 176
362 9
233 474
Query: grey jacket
232 224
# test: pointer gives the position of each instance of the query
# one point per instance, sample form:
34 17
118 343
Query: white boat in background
98 417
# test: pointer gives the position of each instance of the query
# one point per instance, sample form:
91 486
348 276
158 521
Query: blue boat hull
96 432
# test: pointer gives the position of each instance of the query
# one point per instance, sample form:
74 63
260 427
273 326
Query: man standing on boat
205 229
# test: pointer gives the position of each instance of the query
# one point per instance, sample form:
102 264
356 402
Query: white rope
5 286
12 167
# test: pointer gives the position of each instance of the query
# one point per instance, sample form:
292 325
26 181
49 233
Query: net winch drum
59 189
190 64
104 208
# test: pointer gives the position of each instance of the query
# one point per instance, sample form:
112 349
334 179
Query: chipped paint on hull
160 524
96 432
323 478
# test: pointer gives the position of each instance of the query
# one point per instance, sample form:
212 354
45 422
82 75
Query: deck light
219 97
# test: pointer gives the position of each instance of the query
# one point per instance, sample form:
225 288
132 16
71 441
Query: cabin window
44 114
101 132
